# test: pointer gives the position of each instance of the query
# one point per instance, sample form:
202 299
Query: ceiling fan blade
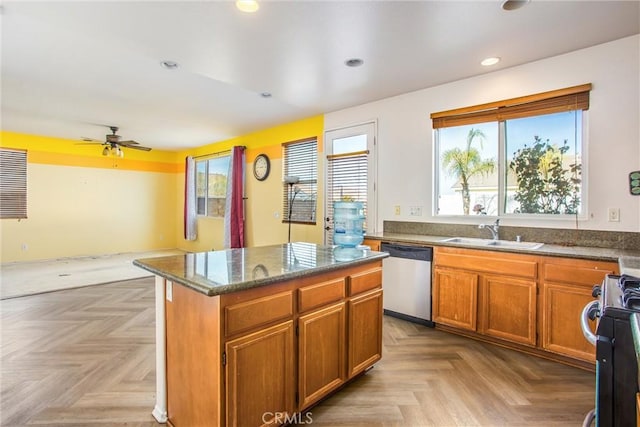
127 143
89 143
85 139
138 147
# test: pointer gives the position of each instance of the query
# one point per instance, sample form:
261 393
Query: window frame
205 159
307 183
575 98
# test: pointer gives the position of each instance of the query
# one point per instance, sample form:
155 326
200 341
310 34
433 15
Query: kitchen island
256 336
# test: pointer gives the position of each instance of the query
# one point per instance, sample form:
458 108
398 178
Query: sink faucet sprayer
493 228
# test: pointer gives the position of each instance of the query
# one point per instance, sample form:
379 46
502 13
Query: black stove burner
630 291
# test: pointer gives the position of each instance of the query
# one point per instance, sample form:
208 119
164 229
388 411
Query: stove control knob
596 291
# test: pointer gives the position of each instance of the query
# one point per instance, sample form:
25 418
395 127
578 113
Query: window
519 156
13 183
299 200
211 185
347 173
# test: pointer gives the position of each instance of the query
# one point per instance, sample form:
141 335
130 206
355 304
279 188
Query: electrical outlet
397 210
24 247
415 211
614 214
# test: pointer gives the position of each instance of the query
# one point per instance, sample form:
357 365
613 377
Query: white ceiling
71 68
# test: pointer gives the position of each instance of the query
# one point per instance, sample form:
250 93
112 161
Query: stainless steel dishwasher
406 281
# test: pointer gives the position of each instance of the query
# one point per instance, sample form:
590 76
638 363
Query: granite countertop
231 270
600 254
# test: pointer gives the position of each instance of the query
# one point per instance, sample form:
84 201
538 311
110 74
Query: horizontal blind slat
301 161
13 183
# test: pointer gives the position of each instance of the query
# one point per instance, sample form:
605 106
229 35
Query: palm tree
464 164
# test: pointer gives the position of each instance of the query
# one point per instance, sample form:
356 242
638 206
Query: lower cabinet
566 288
508 309
260 373
322 352
365 331
261 356
532 301
455 298
332 333
561 333
373 244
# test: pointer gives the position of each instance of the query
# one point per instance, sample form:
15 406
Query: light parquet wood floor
85 357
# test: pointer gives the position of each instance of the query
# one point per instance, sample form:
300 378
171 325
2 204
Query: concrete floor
34 277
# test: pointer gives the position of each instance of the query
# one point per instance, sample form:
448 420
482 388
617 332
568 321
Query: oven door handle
584 322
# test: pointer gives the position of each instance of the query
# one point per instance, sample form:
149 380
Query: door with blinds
350 172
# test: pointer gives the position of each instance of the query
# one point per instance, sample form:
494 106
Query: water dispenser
348 222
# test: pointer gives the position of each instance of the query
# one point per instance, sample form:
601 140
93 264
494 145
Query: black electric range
616 363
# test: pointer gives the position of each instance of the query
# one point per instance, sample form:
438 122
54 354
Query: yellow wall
82 203
263 224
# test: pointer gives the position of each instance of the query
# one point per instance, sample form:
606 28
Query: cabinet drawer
583 273
321 294
260 311
489 263
365 281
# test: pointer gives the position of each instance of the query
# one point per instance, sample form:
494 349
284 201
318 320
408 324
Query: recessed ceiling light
248 6
265 94
490 61
513 4
169 65
354 62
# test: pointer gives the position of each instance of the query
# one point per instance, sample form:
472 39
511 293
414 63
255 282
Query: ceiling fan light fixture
487 62
105 152
247 6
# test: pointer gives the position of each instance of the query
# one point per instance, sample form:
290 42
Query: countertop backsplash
551 236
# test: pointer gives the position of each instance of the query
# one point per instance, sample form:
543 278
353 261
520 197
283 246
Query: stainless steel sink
467 241
512 244
471 241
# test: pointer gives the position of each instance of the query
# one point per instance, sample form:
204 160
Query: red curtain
236 217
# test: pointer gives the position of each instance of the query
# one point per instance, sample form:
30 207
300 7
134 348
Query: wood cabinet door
508 309
364 331
562 307
373 244
260 376
321 352
455 298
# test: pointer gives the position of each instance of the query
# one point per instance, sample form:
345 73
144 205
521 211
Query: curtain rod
217 153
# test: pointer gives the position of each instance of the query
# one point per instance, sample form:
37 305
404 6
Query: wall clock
261 167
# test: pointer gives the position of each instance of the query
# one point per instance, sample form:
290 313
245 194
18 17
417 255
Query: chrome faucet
495 228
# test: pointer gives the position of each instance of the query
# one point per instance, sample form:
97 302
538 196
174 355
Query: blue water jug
348 221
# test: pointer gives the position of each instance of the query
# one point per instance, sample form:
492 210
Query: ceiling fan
112 144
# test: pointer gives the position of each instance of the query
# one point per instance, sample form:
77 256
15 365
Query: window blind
556 101
347 180
300 160
13 183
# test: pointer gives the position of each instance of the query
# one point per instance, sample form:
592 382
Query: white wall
613 150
